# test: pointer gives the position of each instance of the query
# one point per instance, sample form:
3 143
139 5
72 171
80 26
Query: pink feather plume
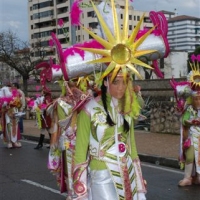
75 13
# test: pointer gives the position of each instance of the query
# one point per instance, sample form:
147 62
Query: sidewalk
160 149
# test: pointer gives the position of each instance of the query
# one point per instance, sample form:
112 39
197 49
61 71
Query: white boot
9 145
187 178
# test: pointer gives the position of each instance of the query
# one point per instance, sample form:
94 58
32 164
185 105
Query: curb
157 160
34 138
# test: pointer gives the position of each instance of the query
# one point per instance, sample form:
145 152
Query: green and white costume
111 152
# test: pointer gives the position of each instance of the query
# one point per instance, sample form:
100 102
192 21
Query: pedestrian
105 144
15 86
43 120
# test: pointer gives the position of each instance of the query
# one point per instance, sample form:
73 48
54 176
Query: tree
18 55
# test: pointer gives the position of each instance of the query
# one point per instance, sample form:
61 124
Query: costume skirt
101 186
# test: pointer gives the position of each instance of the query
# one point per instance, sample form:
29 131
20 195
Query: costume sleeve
186 116
133 149
82 137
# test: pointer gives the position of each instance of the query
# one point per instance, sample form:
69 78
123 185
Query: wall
159 98
163 118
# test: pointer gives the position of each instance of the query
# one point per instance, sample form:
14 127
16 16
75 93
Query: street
24 176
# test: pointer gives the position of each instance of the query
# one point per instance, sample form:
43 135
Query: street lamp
175 28
73 28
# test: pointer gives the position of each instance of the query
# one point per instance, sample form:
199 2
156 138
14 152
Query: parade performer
10 114
187 94
105 146
43 120
105 126
98 142
63 112
191 126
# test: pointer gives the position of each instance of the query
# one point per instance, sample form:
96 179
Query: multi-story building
8 75
184 33
45 14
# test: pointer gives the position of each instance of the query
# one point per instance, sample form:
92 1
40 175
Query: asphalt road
24 176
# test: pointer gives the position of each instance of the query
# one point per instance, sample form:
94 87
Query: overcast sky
14 14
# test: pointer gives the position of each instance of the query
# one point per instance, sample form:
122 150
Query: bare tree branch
19 55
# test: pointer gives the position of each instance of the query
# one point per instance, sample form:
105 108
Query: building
168 14
8 75
45 14
184 33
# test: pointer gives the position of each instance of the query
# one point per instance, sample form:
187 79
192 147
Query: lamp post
175 28
73 28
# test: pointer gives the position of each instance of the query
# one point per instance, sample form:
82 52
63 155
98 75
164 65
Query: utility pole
175 28
73 28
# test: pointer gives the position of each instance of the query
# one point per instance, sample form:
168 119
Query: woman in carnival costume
10 105
105 143
63 112
105 127
93 152
188 104
43 120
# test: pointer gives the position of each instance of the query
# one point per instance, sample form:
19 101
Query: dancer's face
117 87
196 102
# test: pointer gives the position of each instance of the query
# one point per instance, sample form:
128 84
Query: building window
121 16
93 25
60 31
147 20
91 14
62 10
138 18
60 1
42 5
130 27
130 17
43 14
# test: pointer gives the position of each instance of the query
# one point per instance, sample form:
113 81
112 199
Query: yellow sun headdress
194 76
113 51
120 49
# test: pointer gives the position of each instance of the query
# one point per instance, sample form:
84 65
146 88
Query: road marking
162 168
43 187
28 141
32 142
